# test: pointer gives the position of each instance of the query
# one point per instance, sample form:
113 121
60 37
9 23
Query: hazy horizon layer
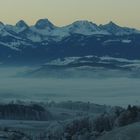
110 91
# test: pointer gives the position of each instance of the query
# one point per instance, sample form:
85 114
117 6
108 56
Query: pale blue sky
62 12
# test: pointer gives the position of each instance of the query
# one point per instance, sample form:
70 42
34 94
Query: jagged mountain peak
115 29
111 25
45 30
1 24
83 27
43 24
21 24
84 23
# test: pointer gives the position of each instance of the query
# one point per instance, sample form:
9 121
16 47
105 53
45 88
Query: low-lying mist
110 91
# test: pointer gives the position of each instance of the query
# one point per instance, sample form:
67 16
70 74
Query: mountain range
44 41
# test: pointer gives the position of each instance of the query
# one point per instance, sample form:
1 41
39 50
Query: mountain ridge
46 28
44 41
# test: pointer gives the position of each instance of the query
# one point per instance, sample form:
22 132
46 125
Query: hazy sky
61 12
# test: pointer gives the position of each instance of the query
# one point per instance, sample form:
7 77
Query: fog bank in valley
110 91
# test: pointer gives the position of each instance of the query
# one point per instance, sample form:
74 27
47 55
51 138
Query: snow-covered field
110 91
130 132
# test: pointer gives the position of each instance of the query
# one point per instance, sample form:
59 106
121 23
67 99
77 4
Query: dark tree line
24 112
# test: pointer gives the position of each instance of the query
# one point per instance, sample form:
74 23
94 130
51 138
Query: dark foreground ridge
71 121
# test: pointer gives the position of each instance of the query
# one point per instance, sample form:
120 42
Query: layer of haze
111 91
62 12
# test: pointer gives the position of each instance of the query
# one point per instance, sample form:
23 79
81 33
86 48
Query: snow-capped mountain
44 41
44 24
1 25
21 26
43 29
114 29
18 28
84 27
